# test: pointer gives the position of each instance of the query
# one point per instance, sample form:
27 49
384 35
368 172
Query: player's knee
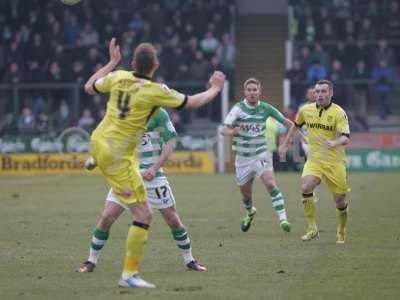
341 203
306 188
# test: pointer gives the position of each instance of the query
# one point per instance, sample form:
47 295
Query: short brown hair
328 82
145 58
252 80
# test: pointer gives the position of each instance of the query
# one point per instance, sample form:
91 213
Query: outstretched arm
168 148
216 82
115 57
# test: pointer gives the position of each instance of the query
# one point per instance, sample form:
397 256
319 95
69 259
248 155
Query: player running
246 124
134 98
327 134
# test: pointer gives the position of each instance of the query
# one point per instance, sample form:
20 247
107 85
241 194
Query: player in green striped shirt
157 144
246 124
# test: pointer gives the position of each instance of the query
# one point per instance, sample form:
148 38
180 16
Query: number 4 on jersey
123 104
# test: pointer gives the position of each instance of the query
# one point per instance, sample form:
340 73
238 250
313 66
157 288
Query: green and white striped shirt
159 131
250 143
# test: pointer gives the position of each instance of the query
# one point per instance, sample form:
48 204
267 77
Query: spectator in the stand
78 72
26 122
199 67
384 52
392 30
136 22
316 72
38 51
359 100
14 54
156 19
97 106
42 123
384 76
305 57
362 52
296 77
54 74
366 32
319 54
339 52
176 121
338 76
88 36
349 32
71 30
55 34
63 117
13 74
310 30
6 123
209 44
87 121
36 72
183 73
226 52
327 33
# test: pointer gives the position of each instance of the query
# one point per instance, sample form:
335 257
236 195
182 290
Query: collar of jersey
142 76
325 108
249 106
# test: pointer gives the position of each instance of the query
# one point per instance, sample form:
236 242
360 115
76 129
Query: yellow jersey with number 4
324 124
133 100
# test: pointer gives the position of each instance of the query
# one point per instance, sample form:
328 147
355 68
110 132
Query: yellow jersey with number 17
324 124
133 100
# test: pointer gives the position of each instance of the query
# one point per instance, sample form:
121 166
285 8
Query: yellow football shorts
121 171
335 175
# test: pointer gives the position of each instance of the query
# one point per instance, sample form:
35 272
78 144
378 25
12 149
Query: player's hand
283 148
235 130
330 144
149 174
217 80
115 53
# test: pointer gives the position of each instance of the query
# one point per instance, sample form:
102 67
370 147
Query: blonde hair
252 80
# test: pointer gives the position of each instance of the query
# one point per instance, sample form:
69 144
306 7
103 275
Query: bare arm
216 82
115 57
227 130
293 131
168 148
340 141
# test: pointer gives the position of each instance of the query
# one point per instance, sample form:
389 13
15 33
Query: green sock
99 239
247 204
278 203
182 240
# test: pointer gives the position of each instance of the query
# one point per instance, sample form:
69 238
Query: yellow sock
310 211
341 217
135 242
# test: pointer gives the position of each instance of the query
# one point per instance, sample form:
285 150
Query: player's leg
135 246
110 214
308 185
246 187
336 178
341 217
181 237
278 202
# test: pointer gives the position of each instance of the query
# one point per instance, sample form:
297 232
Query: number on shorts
123 104
163 193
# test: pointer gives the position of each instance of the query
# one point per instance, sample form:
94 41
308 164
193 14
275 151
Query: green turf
46 222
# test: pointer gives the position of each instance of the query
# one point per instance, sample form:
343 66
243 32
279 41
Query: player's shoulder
121 74
338 109
307 107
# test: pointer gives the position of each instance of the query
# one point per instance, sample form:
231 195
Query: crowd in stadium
38 39
356 44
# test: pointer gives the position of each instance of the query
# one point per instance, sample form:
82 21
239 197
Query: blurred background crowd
44 41
355 44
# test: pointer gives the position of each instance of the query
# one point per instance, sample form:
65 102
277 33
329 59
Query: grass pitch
46 223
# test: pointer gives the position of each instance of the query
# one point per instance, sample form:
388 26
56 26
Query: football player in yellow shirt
133 99
327 134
